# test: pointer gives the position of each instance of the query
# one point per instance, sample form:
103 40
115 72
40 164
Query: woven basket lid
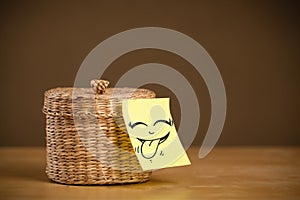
68 101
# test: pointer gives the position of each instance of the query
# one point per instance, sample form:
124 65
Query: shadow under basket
98 149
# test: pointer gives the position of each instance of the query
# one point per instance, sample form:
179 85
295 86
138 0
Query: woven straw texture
98 150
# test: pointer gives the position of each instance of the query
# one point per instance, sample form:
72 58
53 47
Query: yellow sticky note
153 134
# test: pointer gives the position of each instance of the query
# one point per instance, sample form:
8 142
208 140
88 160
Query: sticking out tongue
149 147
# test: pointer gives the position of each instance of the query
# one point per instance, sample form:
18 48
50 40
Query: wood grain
227 173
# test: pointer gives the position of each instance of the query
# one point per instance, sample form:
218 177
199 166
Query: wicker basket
98 149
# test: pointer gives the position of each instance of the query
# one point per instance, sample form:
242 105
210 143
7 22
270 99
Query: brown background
255 45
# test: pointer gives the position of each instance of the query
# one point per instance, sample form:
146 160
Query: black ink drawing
148 146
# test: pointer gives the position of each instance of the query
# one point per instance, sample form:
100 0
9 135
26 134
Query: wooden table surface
227 173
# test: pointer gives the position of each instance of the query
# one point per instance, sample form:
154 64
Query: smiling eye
135 124
170 122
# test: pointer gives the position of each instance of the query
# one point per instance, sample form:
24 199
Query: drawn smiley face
149 147
150 127
153 134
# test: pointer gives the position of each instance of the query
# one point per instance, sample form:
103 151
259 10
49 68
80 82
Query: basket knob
99 86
